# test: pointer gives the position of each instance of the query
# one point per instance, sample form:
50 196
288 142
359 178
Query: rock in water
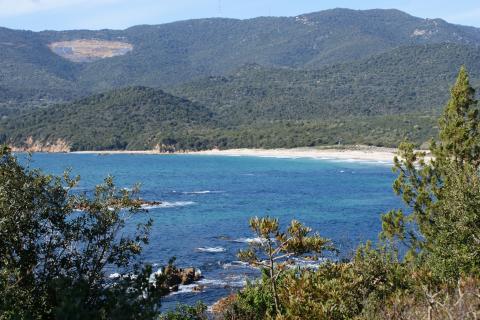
189 275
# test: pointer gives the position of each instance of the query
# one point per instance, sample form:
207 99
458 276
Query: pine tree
442 225
459 125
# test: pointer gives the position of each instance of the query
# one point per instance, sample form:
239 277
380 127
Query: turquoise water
207 201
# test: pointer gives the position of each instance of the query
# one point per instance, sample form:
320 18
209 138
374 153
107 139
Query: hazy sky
120 14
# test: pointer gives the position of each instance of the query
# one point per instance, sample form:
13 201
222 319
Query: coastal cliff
31 145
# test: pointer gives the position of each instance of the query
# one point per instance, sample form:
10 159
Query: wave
362 161
185 288
236 264
308 264
167 204
231 282
248 240
212 249
201 192
234 282
296 262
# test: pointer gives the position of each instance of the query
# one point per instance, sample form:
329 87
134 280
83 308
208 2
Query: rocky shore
140 203
172 277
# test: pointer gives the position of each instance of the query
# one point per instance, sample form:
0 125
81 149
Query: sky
120 14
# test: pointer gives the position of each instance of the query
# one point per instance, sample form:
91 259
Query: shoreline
348 153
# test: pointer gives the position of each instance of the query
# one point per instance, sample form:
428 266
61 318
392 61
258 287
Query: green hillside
413 79
129 118
336 76
141 118
378 100
175 53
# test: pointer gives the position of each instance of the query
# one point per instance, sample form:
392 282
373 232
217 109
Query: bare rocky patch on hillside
87 50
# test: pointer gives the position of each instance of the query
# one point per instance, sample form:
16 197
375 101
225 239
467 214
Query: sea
207 201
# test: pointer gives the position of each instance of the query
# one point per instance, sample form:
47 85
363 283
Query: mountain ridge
170 54
336 76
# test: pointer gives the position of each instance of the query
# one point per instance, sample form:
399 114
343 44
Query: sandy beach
353 153
367 154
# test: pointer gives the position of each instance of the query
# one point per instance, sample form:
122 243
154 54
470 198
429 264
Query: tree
274 248
184 312
460 125
442 229
57 249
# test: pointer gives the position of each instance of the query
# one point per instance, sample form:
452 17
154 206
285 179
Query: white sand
354 153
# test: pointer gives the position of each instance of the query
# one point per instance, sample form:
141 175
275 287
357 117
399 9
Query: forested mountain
336 76
135 117
140 118
174 53
410 79
378 100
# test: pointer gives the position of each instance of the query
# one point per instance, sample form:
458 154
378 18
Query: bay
208 200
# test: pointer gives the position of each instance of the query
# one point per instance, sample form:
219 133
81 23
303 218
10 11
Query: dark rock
189 275
198 288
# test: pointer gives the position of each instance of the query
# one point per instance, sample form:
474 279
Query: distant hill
406 80
379 100
332 77
175 53
141 118
132 118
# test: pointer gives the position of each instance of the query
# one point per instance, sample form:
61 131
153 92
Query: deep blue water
209 200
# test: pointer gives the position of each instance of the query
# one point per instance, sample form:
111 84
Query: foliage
406 80
446 302
54 259
443 193
253 302
143 118
273 250
184 312
426 265
295 87
179 52
130 118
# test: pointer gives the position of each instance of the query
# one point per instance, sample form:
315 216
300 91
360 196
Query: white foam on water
248 240
307 264
233 282
212 249
153 276
238 265
235 264
184 288
189 288
201 192
167 204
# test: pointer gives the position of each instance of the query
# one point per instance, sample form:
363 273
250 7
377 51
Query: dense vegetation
54 260
426 264
333 77
59 248
130 118
174 53
142 118
406 80
378 101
